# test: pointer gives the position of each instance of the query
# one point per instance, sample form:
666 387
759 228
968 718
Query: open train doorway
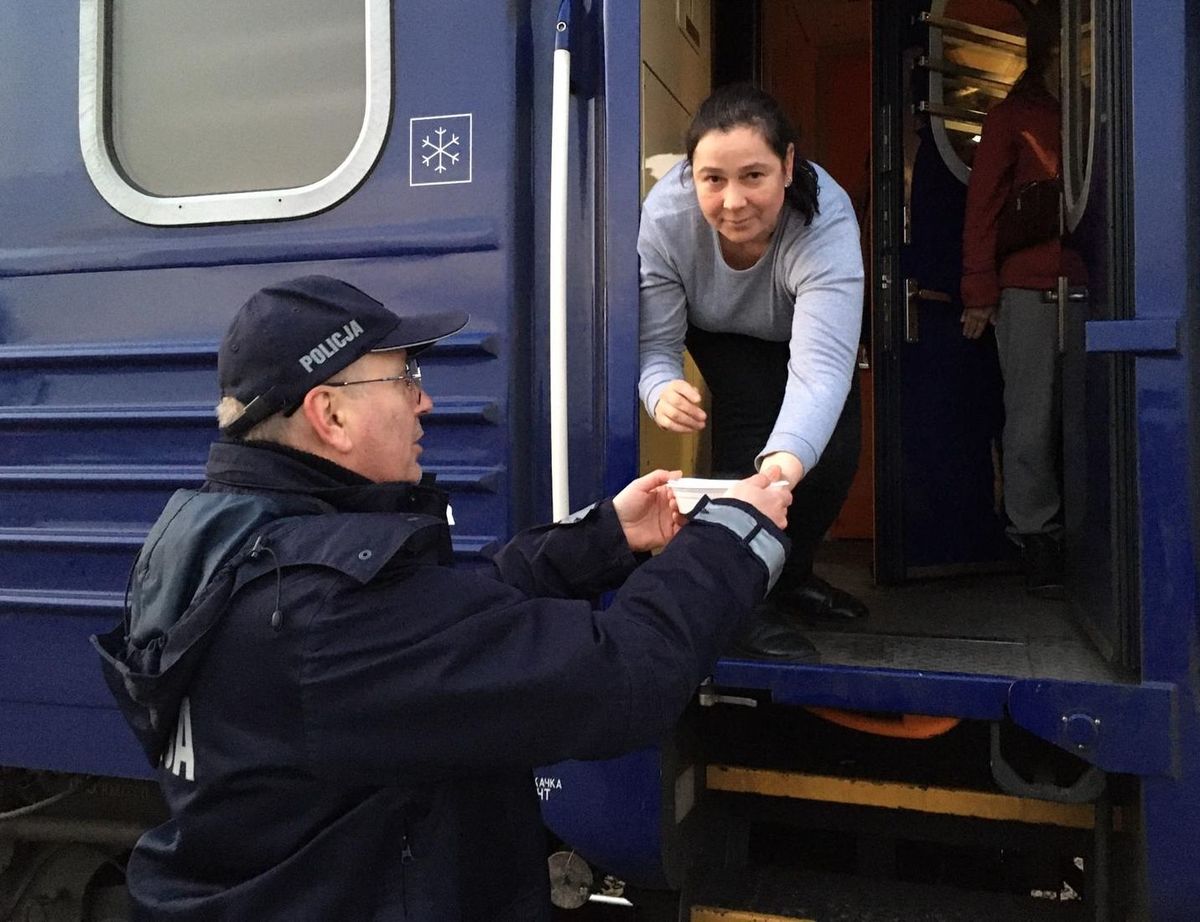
947 467
890 99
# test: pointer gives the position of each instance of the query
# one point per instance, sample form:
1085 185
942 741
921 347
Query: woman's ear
788 162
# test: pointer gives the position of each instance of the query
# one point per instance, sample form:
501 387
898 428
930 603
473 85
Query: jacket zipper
406 858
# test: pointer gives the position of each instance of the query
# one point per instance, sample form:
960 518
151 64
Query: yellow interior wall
676 77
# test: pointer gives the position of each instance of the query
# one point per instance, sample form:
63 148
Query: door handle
914 293
912 313
1136 336
1061 296
1062 314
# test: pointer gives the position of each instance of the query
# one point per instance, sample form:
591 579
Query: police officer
344 726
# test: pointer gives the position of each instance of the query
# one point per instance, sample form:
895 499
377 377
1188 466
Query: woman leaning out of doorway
750 257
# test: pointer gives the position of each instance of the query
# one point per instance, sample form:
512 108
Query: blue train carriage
159 162
1040 756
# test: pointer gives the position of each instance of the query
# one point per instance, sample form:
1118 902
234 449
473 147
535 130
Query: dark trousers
746 377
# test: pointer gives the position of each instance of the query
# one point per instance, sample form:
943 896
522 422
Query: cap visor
421 331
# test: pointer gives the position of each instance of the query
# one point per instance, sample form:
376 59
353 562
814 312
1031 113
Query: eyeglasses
411 377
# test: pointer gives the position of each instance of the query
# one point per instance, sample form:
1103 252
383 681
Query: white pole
559 138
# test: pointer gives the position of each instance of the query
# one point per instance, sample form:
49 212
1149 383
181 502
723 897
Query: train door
1098 413
942 66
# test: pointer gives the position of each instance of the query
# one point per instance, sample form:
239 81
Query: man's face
383 418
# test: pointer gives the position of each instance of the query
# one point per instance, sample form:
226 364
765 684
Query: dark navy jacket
345 726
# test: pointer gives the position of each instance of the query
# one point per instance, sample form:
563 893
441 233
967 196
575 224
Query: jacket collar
267 467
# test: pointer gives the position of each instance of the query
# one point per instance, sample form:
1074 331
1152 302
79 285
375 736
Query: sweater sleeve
825 271
987 191
663 315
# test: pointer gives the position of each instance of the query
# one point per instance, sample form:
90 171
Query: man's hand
975 320
678 408
758 492
646 510
791 468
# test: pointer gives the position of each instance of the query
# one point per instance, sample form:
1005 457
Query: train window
1079 102
194 113
976 53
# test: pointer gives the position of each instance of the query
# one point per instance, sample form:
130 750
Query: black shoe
767 637
1042 559
816 599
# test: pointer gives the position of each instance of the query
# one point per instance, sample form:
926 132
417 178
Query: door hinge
1132 729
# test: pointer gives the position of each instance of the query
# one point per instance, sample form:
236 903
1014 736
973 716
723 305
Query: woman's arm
824 274
663 316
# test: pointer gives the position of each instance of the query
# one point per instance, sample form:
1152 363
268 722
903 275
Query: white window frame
1076 196
223 207
937 94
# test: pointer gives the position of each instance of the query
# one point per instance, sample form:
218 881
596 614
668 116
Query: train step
789 895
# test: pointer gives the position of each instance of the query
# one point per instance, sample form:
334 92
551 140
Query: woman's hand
647 512
790 467
771 501
975 320
678 408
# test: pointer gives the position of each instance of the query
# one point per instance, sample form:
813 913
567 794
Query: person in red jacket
1021 143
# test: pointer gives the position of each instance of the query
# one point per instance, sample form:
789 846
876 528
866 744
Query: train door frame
1099 491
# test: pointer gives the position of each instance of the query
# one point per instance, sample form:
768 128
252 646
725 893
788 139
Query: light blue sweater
807 289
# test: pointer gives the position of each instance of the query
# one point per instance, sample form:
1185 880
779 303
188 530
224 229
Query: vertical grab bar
559 140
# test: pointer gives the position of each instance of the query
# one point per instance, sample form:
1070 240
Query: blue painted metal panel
108 331
251 247
51 736
1151 335
896 691
1131 729
610 811
1166 152
618 223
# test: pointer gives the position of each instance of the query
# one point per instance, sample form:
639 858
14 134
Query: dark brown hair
1042 39
742 105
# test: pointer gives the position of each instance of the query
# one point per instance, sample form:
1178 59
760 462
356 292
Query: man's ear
325 412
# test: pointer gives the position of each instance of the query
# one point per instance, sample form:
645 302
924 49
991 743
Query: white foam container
688 490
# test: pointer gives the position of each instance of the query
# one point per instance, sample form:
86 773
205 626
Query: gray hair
272 429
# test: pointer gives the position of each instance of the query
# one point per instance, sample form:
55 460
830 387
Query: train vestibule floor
978 623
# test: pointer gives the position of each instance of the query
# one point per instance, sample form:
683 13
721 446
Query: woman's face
740 184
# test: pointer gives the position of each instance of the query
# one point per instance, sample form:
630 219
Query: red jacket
1021 142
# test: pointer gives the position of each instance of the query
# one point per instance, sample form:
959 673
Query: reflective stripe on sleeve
577 516
762 544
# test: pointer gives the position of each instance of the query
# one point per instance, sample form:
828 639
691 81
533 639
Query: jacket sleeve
579 558
987 191
445 673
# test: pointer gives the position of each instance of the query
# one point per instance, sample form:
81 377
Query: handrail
559 139
980 34
968 74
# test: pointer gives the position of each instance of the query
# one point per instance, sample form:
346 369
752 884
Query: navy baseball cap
291 336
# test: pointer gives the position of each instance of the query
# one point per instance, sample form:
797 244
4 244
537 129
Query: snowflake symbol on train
441 150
